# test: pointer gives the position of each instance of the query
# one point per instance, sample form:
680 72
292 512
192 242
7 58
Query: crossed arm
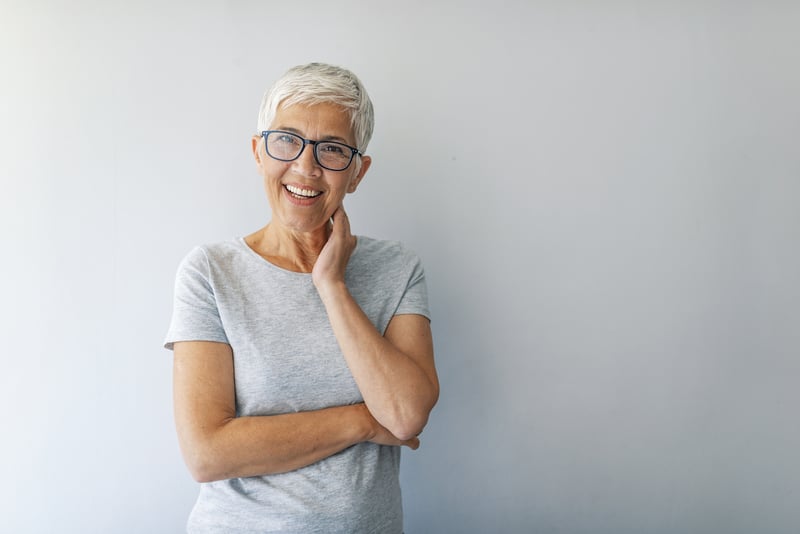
217 445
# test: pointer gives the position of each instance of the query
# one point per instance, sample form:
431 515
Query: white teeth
303 192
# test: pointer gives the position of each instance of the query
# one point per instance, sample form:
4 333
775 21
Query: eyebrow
326 138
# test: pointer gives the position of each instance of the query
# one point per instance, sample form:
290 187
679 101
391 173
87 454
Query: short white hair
318 83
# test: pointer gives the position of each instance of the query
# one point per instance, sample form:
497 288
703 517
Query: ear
256 140
366 161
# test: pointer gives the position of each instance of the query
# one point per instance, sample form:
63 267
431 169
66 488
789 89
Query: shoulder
208 256
214 263
387 279
385 259
385 250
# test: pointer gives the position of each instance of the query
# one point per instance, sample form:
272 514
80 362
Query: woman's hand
384 437
332 261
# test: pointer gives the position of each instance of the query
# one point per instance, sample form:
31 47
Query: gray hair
317 83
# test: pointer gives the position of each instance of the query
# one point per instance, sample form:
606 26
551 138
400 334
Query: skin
395 372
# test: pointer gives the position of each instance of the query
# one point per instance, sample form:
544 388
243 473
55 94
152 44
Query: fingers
412 444
341 227
381 436
331 263
341 220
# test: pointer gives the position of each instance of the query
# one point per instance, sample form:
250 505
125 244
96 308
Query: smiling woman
303 193
303 357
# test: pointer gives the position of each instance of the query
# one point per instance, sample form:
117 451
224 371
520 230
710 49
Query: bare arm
394 372
217 445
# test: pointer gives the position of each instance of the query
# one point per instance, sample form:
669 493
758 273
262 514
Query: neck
290 250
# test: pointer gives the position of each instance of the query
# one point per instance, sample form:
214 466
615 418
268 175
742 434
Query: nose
306 164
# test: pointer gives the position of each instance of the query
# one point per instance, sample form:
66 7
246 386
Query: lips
301 192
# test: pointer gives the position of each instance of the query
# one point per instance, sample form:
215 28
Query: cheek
352 182
272 171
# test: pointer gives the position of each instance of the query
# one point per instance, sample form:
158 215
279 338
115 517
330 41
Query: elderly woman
303 357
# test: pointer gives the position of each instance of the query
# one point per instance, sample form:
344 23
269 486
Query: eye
286 139
333 149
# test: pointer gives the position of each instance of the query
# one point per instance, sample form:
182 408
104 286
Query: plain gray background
605 195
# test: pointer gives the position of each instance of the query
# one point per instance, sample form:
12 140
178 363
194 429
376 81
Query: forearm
397 390
253 446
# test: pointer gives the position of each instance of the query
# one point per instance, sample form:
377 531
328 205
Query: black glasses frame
353 150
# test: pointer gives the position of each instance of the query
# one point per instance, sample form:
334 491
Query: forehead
315 121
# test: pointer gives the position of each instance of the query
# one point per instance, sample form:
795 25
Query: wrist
365 423
330 289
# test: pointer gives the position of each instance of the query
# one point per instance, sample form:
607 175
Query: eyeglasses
287 146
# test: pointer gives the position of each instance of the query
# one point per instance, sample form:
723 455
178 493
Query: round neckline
271 265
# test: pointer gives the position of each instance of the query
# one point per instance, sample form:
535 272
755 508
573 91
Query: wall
605 196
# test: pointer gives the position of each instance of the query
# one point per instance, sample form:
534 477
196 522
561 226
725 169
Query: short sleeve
415 297
195 314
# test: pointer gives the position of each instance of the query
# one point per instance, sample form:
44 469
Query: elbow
203 475
203 478
405 434
203 462
409 427
203 451
202 468
410 424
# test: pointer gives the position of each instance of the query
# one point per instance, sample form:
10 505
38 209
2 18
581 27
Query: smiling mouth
299 192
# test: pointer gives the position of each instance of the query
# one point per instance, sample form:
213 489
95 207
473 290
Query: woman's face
303 196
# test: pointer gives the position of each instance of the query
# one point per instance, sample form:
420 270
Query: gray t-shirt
286 359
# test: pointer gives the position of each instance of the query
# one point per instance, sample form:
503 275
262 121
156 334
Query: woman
303 357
